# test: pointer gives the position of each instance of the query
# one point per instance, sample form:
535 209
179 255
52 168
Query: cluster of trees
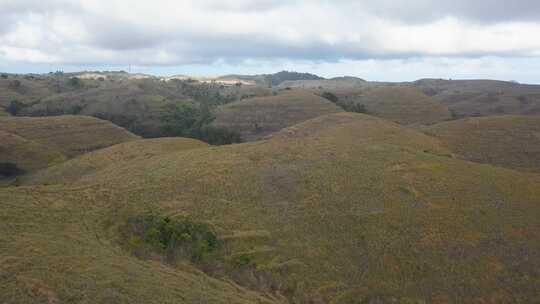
9 170
175 238
194 121
347 106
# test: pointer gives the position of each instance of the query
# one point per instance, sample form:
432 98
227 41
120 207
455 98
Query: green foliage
173 237
188 120
15 107
74 82
330 96
278 78
242 260
9 170
5 76
347 106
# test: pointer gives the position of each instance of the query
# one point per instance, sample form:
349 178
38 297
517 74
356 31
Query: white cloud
167 32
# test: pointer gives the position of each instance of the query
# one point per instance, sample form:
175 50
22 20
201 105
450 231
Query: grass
405 105
113 158
509 141
257 117
71 135
484 97
31 144
339 208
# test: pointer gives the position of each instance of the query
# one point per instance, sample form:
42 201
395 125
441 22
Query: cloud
183 32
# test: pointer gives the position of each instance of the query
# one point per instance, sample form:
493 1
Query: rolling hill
402 104
33 143
113 158
483 97
342 208
257 117
508 141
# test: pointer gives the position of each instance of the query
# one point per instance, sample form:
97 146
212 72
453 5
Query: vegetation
406 105
174 238
298 209
257 117
188 120
347 106
510 141
329 207
15 107
9 170
277 78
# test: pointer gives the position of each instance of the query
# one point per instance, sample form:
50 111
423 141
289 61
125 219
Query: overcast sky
376 40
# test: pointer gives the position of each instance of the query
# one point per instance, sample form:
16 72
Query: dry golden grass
113 158
257 117
71 135
402 104
507 141
341 208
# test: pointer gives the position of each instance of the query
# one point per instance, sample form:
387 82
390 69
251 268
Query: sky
385 40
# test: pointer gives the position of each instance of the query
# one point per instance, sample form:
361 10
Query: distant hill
257 117
269 80
467 98
342 208
507 141
399 103
35 143
327 84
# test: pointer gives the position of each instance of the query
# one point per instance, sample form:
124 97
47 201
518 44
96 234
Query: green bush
188 120
347 106
330 96
15 107
172 237
9 170
75 82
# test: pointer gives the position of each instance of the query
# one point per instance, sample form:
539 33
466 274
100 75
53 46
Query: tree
15 107
330 96
75 82
9 170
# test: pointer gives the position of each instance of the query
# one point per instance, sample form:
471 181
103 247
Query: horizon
210 76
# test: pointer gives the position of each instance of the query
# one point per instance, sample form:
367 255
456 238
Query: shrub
347 106
172 237
9 170
192 121
330 96
5 76
75 82
15 107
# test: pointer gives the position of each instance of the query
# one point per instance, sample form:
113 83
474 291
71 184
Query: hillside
112 158
507 141
467 98
32 143
257 117
341 208
402 104
327 84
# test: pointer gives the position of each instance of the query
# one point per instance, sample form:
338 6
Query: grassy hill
402 104
507 141
257 117
112 158
483 97
327 84
33 143
342 208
